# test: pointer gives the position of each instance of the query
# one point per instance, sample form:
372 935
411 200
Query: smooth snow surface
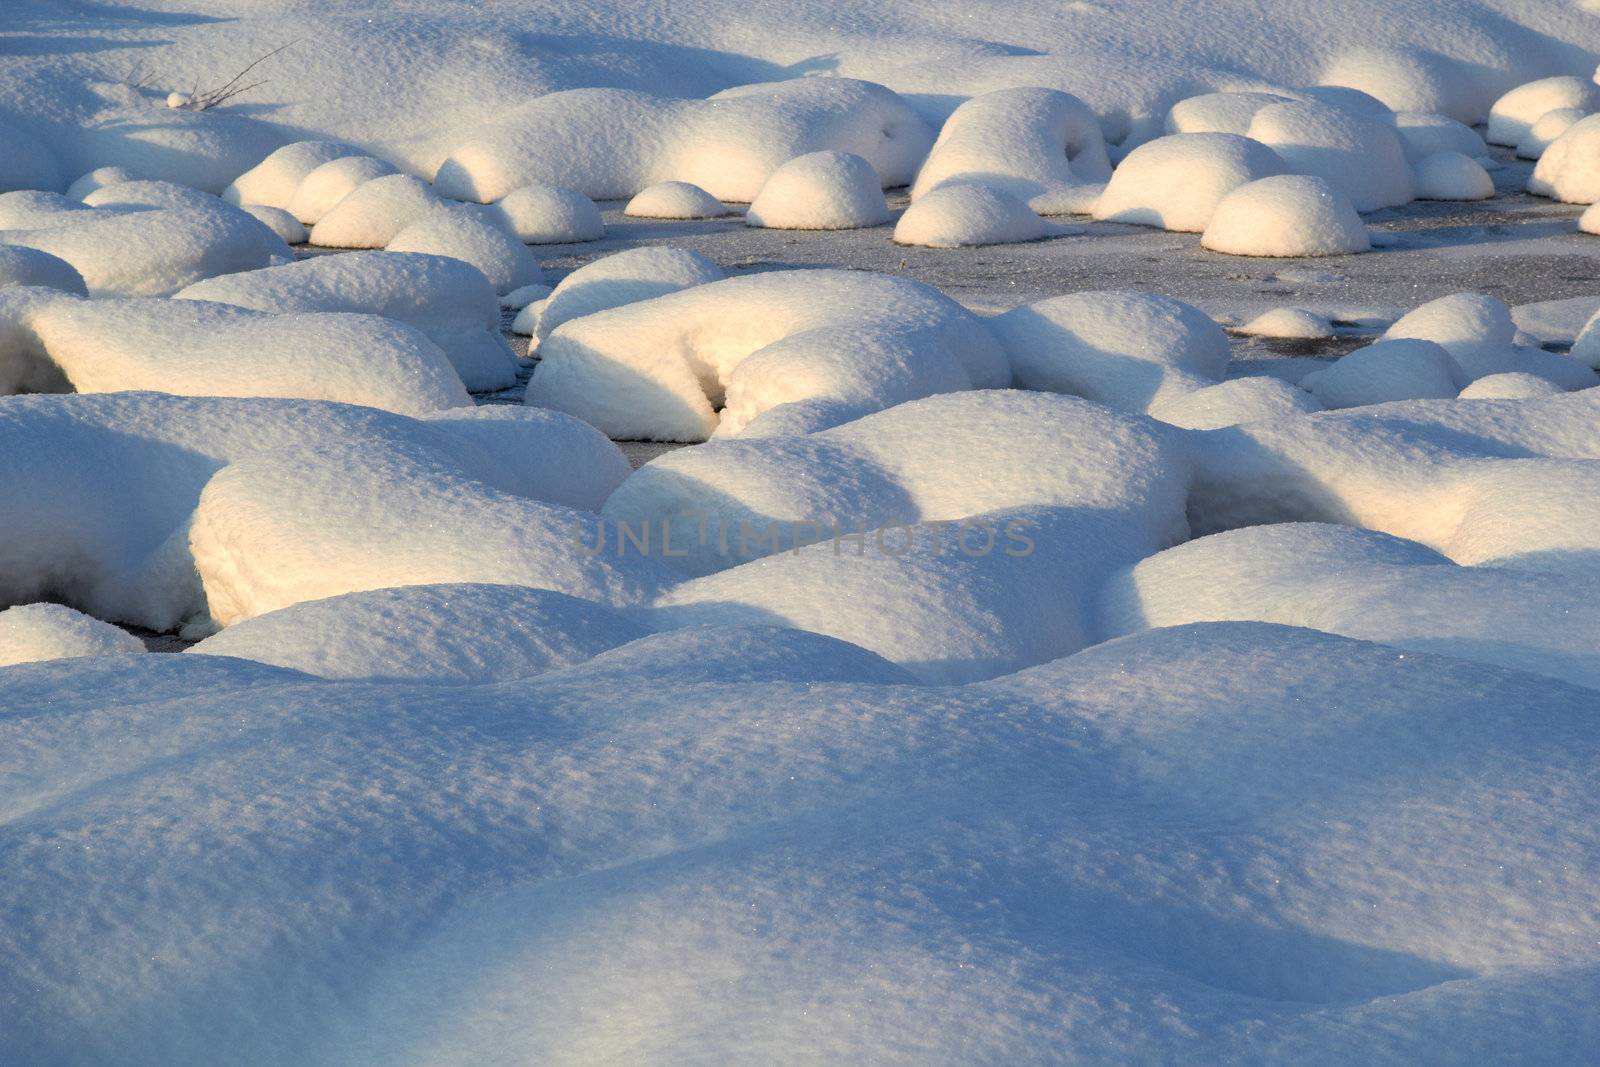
1515 114
465 233
1569 168
1452 176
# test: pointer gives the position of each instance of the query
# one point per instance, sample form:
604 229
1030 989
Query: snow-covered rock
1509 385
464 233
615 280
820 191
966 214
1514 115
1286 215
1546 129
1228 112
1569 168
1229 403
29 266
288 229
1452 176
1176 182
1481 337
1288 322
1400 369
1422 135
330 183
548 214
1041 146
99 178
30 633
275 179
1361 157
447 299
374 213
675 200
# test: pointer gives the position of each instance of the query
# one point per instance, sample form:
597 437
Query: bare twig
199 100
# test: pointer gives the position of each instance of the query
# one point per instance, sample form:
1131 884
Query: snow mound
194 348
1176 182
965 215
274 181
1515 114
1542 133
154 252
1366 585
1286 215
30 633
99 178
1288 322
452 634
1411 79
548 214
1041 146
465 233
612 143
1401 369
138 195
1480 335
623 278
658 369
447 299
518 299
29 266
1422 135
330 183
1569 169
1586 347
285 226
1452 176
1511 385
1218 112
820 191
1232 402
1120 348
675 200
1363 158
373 214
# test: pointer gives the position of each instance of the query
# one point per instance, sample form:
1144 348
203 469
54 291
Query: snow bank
274 181
1176 182
465 233
1514 115
453 634
1401 369
447 299
657 369
1452 176
1481 337
615 280
1361 157
33 632
330 183
1569 169
29 266
820 191
1286 215
612 143
1542 134
1121 348
965 215
374 213
1219 112
675 200
195 348
1040 146
548 214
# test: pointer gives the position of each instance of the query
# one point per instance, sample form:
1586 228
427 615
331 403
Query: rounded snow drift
330 183
1288 323
463 233
1219 112
1176 182
820 191
964 216
97 179
375 212
1452 176
1514 114
30 633
1286 215
1406 369
1511 385
675 200
1569 169
288 228
1422 135
1361 157
20 265
549 214
1542 133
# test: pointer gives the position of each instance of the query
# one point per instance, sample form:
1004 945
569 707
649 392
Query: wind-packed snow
820 191
1286 215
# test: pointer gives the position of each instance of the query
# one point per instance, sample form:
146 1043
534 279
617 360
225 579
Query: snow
1286 215
1586 346
1515 114
1481 337
624 278
1288 322
652 370
1363 158
29 266
1232 402
1510 385
1569 169
1452 176
548 214
1401 369
474 634
447 299
965 215
1040 146
197 348
1422 135
820 191
30 633
288 229
675 200
374 213
330 183
1412 79
465 233
99 178
1228 112
1176 182
274 181
1545 130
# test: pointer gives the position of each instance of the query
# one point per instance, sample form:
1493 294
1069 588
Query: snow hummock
1481 337
276 179
447 299
465 233
1229 403
615 280
375 212
1286 215
820 191
289 229
29 266
675 200
1542 134
1288 322
1515 114
1569 168
961 214
1412 79
330 183
1509 385
1040 146
1422 135
30 633
1176 182
99 178
548 214
1227 112
1361 157
1400 369
1452 176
